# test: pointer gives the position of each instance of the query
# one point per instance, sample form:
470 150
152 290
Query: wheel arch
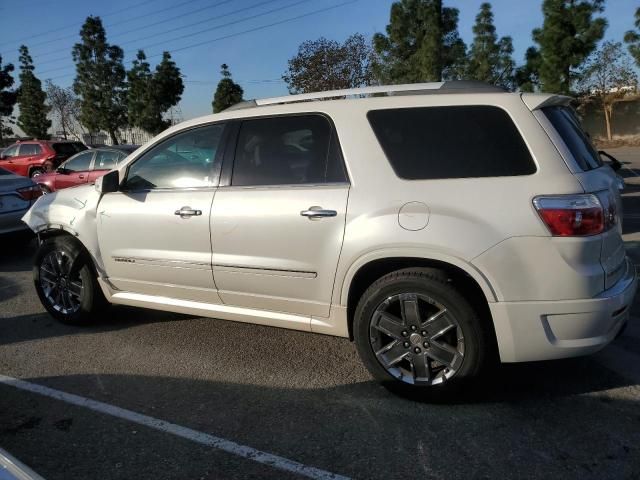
52 232
373 266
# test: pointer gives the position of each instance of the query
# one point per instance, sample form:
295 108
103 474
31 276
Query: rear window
451 142
568 127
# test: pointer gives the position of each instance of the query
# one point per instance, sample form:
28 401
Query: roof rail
456 86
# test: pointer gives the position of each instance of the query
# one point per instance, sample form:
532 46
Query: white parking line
228 446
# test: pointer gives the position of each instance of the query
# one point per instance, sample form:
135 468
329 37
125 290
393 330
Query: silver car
17 194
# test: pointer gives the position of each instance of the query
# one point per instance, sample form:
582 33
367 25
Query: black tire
424 283
89 302
34 172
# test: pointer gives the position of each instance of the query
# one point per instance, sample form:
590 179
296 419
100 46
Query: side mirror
613 162
108 183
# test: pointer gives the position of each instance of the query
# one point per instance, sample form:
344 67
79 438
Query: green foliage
8 98
33 110
227 93
322 65
632 38
490 60
568 35
150 95
421 44
100 80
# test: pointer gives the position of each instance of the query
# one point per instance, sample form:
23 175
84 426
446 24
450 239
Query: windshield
568 127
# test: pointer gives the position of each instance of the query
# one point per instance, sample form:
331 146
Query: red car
31 158
84 167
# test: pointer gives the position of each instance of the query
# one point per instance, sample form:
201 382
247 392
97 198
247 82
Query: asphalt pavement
302 398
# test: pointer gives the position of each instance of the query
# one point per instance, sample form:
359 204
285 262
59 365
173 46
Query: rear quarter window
451 142
566 123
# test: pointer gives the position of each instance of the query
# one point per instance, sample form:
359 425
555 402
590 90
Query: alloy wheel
416 339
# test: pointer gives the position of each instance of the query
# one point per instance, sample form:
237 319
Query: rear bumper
531 331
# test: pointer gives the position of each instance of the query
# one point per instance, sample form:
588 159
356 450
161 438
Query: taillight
30 193
573 215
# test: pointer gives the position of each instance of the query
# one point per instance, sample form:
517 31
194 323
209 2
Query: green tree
227 93
568 35
8 98
607 78
100 80
33 109
323 64
490 59
527 77
150 95
632 38
421 44
140 108
168 85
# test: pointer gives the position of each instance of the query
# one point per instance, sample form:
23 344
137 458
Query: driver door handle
186 212
318 212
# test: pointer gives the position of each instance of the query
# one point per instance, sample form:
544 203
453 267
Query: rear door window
79 163
291 150
568 127
451 142
30 149
107 159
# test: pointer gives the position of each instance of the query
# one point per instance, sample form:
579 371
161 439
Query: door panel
267 255
154 234
147 248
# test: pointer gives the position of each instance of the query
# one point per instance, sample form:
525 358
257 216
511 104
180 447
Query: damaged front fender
72 210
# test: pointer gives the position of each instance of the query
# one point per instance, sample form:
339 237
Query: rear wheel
416 333
65 281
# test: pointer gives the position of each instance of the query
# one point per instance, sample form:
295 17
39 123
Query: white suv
437 225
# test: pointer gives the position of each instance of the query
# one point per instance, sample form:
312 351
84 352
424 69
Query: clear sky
255 52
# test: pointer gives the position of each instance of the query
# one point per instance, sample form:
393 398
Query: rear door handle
185 212
318 212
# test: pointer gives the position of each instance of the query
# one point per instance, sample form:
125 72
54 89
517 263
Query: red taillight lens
572 215
30 193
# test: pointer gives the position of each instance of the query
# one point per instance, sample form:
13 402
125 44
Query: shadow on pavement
24 328
360 429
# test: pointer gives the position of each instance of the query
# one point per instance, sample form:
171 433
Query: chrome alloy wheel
61 287
416 339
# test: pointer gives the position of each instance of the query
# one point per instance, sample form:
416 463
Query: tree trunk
114 139
608 110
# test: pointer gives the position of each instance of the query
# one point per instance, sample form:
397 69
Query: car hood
10 183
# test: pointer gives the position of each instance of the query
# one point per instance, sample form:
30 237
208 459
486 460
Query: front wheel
65 281
416 333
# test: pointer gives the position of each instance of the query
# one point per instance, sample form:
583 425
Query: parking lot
229 400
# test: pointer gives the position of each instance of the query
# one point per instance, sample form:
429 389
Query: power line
16 42
53 60
128 20
244 32
235 22
143 28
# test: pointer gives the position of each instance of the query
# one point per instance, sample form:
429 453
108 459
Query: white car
438 225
